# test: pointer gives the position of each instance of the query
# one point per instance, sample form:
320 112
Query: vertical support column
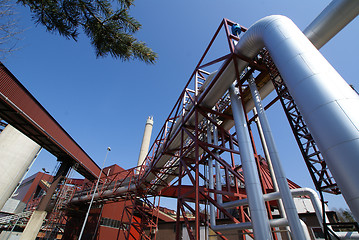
212 211
17 152
270 167
34 225
197 234
257 207
179 198
217 167
289 206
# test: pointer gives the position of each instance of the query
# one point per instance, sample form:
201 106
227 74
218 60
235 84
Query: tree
107 23
8 28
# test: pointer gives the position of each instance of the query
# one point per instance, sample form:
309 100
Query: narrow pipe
257 207
280 222
270 167
289 206
265 150
305 229
217 167
212 212
295 193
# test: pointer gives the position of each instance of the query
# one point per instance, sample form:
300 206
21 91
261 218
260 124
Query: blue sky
105 102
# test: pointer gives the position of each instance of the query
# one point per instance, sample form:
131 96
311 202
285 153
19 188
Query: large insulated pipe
257 207
350 7
17 152
331 20
145 143
328 104
228 75
289 206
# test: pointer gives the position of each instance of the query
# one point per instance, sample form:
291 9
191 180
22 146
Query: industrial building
193 158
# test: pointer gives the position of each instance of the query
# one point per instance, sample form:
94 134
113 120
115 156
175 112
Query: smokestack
145 143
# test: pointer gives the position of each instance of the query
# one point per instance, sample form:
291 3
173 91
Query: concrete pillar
38 216
17 152
36 220
145 143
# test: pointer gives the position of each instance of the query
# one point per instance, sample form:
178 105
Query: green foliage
110 30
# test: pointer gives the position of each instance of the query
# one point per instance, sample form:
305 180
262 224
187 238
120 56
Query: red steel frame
188 164
321 176
184 176
139 215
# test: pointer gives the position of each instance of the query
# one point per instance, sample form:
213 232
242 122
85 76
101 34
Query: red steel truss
178 161
184 176
321 176
139 215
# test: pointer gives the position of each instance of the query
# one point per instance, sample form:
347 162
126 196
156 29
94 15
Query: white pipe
280 222
228 76
271 171
295 193
320 94
217 167
257 207
289 206
347 235
212 212
331 20
266 152
305 229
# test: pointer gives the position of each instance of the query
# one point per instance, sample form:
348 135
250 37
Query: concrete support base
34 225
17 152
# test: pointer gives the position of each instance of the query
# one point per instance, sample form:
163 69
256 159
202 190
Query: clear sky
105 102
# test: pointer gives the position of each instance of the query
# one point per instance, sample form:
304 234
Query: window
107 222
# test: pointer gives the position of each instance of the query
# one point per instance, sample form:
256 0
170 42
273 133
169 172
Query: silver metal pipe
257 207
265 150
331 20
217 167
280 222
319 92
289 206
212 211
295 193
305 229
228 76
271 171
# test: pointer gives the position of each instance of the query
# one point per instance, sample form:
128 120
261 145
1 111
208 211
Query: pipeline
269 32
299 192
227 77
